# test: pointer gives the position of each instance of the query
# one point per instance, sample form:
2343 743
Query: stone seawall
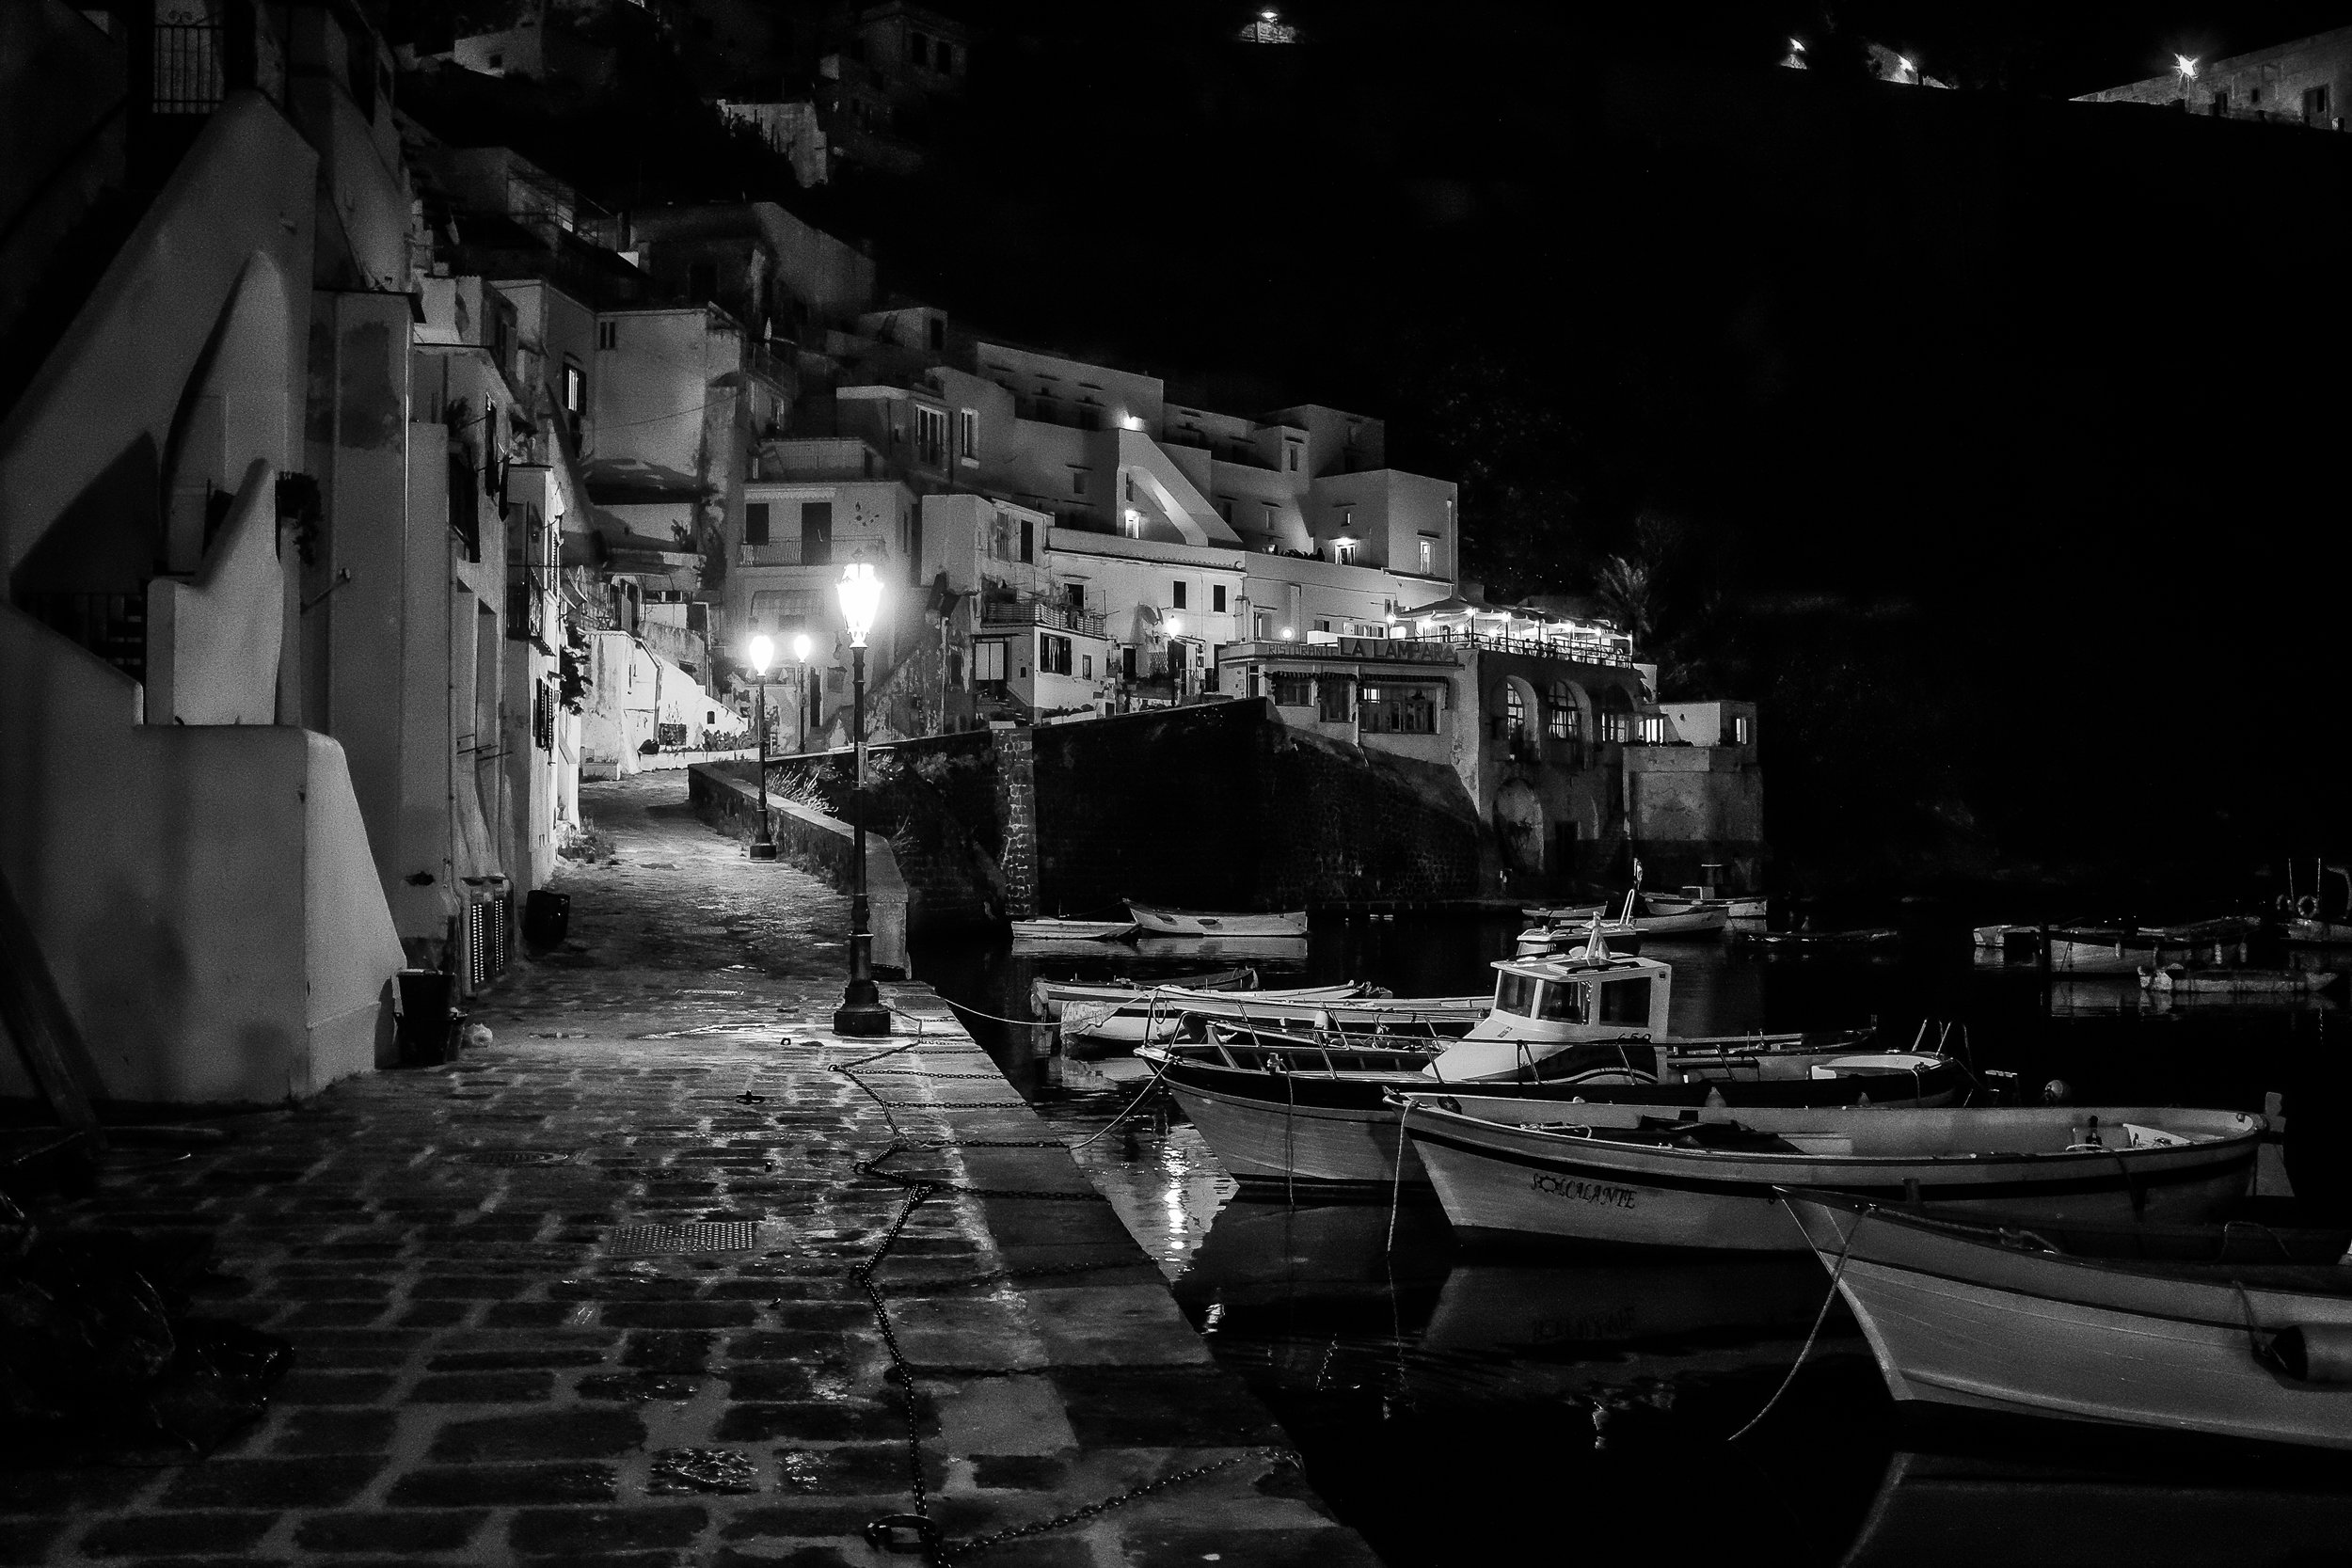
815 842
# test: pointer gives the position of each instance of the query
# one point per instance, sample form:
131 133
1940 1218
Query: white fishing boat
2176 980
1991 1317
1528 1170
1563 914
1588 1026
1155 921
1076 931
1048 997
1158 1013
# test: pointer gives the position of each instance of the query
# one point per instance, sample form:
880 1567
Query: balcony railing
1008 614
1583 651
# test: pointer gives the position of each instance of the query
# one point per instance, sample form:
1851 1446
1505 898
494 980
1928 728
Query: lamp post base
861 1012
761 849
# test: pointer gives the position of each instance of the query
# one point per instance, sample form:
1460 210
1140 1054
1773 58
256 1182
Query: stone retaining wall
819 843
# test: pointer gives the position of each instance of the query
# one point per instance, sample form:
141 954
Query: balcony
1578 651
1055 616
821 457
1385 650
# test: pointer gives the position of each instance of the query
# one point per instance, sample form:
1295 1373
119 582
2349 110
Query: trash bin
547 916
424 1036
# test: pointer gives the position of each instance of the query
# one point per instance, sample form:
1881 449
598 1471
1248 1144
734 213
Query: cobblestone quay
600 1293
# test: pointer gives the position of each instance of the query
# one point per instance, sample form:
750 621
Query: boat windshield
1516 993
1562 1002
1624 1001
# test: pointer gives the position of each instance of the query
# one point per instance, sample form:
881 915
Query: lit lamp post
762 652
861 1011
800 689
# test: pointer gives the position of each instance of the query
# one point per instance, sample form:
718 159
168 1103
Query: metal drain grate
512 1156
642 1241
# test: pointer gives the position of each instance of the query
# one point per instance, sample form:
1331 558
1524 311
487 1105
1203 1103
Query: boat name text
1588 1192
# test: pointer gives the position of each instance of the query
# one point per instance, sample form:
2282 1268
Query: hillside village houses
359 494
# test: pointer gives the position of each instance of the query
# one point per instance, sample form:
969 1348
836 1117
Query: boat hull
1956 1320
1076 931
1207 923
1305 1129
1519 1184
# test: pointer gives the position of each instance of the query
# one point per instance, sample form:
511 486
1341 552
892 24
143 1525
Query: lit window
1514 713
931 435
1742 730
988 660
1653 729
1343 551
1429 557
968 432
1561 718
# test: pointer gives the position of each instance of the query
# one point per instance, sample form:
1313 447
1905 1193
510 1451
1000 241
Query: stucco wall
202 893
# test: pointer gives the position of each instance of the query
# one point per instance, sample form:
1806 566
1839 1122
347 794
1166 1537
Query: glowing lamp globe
761 652
1175 625
799 648
861 599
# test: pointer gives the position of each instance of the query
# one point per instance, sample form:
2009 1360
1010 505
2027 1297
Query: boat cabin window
1562 1002
1624 1001
1515 993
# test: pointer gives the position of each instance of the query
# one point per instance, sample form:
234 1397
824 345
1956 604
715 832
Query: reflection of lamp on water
758 655
861 1011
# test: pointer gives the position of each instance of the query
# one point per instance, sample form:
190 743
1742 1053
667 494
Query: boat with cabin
1156 919
1518 1170
2234 1330
1591 1026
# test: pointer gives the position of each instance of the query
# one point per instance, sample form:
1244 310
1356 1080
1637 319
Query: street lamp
761 652
861 1011
800 657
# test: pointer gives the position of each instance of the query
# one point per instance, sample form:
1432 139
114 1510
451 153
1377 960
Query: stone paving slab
491 1367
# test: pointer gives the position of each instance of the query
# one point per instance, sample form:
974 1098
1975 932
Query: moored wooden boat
1810 944
1974 1313
1157 921
1048 997
1080 930
1275 1108
1158 1013
2178 980
1528 1170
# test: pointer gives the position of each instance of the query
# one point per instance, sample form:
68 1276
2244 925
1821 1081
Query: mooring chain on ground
916 1531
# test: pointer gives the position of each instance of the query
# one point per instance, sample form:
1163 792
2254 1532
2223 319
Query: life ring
2308 906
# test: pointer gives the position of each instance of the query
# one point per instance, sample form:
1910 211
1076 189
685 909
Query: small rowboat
2177 980
1076 931
1524 1170
1048 997
1157 1014
1155 921
2249 1335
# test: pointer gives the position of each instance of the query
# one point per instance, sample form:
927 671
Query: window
1514 713
496 60
1176 594
1337 692
1616 724
1292 452
1216 598
938 333
2220 105
1074 598
574 392
1323 626
543 716
1741 730
1077 481
817 534
755 523
1428 556
1028 540
1053 654
1397 710
968 432
1086 663
2316 105
1292 690
1515 993
1343 551
607 334
1562 721
1624 1002
1562 1002
1652 728
1262 627
988 660
931 435
1131 523
1130 489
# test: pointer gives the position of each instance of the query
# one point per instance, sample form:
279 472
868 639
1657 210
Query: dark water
1471 1408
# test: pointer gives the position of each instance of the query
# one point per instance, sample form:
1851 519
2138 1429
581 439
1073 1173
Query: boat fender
2314 1352
2308 907
1447 1103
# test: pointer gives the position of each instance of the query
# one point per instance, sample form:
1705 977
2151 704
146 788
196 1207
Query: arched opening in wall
1564 720
232 409
1514 712
1614 716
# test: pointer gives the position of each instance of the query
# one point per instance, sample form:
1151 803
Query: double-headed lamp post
861 1011
760 654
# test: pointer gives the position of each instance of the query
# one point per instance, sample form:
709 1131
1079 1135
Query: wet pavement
599 1293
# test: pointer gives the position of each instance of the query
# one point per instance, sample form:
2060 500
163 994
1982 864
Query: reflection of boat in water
1553 1309
1267 950
1260 1253
1937 1509
2101 997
